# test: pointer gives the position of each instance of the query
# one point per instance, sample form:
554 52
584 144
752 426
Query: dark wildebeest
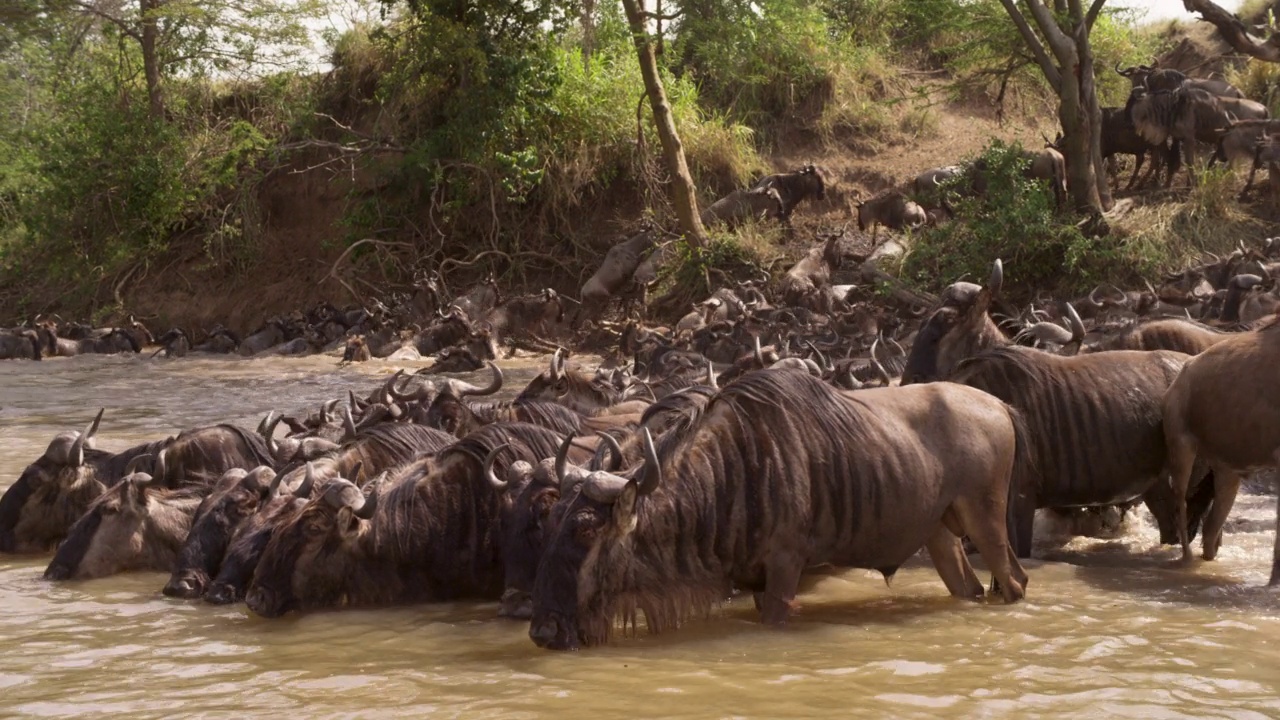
1094 419
55 490
373 451
1224 409
742 205
1187 116
450 412
1184 336
780 473
535 490
581 392
614 276
21 344
271 334
794 188
174 343
220 341
893 210
1153 78
135 525
432 534
356 350
1120 137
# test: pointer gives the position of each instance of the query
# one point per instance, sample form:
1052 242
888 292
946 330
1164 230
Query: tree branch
1033 43
1234 31
659 16
124 26
1094 10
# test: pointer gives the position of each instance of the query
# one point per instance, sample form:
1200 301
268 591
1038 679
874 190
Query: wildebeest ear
624 510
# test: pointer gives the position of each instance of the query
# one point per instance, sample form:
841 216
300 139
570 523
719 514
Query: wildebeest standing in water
1095 419
433 534
55 490
1224 408
780 473
136 525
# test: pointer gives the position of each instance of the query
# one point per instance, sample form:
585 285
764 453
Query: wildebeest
813 273
581 392
356 350
135 525
272 333
614 276
893 210
56 489
174 343
1094 418
794 188
1120 137
742 205
450 412
1184 336
1224 409
1153 78
22 344
782 472
433 534
930 181
1186 115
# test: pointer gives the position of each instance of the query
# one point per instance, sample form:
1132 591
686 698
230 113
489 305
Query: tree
1069 71
204 35
1239 36
684 194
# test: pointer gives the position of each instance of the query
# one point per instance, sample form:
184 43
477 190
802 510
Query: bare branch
1235 32
661 17
124 26
1094 10
1033 43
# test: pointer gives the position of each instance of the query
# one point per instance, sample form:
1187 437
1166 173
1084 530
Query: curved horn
324 411
142 481
160 468
308 483
556 370
488 468
93 427
875 363
997 277
274 487
354 474
1093 296
561 455
494 385
262 424
271 434
651 471
1077 326
758 352
1150 289
398 393
615 451
711 376
365 511
135 462
822 359
348 423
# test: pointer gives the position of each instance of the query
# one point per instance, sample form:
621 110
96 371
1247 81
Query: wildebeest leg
782 577
947 553
1226 483
1159 500
1021 523
1275 553
1137 167
984 523
1181 462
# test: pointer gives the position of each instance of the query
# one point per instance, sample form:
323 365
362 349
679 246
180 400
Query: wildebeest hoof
57 572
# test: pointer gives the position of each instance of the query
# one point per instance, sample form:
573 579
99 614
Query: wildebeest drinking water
779 473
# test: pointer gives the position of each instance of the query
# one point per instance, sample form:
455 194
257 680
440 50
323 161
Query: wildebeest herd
777 428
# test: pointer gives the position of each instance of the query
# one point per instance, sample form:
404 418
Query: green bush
1014 220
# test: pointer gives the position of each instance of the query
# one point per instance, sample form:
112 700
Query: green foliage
1013 220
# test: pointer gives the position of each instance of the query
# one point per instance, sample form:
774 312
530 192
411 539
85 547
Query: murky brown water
1109 629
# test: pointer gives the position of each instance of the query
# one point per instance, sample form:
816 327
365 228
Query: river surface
1110 628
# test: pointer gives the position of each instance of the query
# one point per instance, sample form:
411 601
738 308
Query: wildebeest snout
553 633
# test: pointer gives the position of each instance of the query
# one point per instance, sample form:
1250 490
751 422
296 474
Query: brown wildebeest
1224 409
742 205
893 210
781 472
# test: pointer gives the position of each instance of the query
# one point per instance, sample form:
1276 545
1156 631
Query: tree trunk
1238 35
684 194
150 57
1093 112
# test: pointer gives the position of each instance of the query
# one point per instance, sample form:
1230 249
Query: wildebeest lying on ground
893 210
1236 374
779 473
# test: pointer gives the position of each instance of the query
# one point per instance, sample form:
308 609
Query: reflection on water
1109 628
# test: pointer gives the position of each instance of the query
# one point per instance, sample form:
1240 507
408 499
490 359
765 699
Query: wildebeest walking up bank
779 473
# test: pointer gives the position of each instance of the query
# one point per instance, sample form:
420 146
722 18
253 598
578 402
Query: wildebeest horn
555 369
1150 289
494 386
141 480
159 468
875 363
758 352
395 393
822 359
308 483
615 451
651 471
353 406
997 278
488 467
271 434
1077 326
711 376
274 487
562 455
262 424
135 463
348 423
324 412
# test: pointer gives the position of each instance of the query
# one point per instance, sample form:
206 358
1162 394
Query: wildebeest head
578 586
51 493
449 411
133 526
237 495
572 388
958 329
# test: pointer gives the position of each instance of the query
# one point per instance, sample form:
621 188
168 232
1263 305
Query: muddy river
1110 628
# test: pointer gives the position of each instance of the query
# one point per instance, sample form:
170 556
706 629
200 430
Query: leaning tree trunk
1093 112
150 56
684 195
